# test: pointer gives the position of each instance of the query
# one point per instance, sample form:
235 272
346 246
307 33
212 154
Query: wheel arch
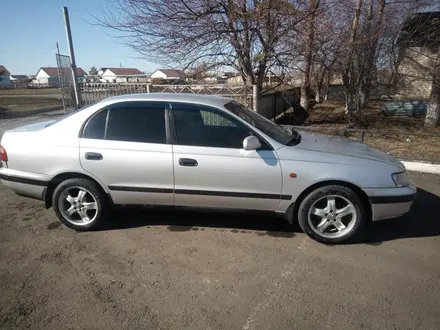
56 180
292 211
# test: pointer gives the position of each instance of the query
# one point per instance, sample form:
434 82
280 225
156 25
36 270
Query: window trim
263 141
108 108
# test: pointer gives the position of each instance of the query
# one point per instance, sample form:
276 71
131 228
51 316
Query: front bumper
389 203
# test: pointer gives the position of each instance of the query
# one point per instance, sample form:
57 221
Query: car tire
80 204
332 214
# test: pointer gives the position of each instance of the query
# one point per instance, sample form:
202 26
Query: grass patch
22 104
30 91
396 135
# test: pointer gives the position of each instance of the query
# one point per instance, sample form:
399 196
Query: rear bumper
28 185
391 202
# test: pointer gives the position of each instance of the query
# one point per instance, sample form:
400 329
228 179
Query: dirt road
180 270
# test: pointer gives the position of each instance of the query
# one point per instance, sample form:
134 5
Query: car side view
201 152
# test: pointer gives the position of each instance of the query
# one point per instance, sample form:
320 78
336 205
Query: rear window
95 128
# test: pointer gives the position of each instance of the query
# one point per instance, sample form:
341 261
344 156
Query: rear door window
129 121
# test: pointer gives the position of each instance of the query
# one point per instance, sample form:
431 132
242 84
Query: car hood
343 146
33 127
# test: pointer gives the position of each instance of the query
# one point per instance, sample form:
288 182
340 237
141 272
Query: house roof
53 71
3 70
421 30
124 71
19 76
172 72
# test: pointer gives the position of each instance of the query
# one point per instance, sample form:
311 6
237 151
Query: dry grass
30 91
13 104
396 135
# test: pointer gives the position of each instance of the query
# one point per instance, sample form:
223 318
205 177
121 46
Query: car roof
209 100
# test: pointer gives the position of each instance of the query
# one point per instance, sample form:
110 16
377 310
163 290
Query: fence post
72 57
255 95
148 89
362 135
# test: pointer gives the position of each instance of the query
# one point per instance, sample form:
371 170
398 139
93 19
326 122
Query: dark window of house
137 122
95 128
199 126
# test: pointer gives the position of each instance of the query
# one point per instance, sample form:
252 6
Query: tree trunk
370 51
305 86
348 75
304 101
433 114
318 95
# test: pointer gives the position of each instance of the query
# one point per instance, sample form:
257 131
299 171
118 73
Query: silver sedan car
201 152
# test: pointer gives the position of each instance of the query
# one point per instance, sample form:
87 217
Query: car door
125 147
211 168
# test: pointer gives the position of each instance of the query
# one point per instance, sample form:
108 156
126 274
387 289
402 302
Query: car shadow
422 221
181 220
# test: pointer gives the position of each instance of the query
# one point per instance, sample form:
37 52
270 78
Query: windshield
265 125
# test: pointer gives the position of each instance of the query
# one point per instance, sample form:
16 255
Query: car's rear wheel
79 204
332 214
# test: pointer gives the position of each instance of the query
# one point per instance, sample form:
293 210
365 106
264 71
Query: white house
168 74
119 75
5 77
49 76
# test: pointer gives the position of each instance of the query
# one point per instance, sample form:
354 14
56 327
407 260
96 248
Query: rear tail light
3 154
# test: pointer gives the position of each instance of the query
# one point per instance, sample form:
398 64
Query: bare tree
330 38
364 48
433 114
93 71
244 35
313 6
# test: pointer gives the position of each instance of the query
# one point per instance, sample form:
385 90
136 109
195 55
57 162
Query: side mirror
251 143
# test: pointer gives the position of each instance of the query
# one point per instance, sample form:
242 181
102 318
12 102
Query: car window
265 125
137 122
95 128
199 126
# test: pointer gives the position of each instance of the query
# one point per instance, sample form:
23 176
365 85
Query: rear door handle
187 162
93 156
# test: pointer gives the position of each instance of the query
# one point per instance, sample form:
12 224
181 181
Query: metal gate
65 81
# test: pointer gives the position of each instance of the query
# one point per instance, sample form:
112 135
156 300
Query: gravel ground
154 269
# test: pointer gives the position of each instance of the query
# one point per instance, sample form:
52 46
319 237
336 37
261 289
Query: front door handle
93 156
187 162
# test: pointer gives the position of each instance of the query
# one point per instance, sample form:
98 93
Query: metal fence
93 92
65 80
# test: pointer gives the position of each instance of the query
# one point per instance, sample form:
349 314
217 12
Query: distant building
235 80
19 78
418 45
168 74
5 77
49 76
120 75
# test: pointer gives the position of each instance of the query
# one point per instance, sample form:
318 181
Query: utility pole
72 57
60 78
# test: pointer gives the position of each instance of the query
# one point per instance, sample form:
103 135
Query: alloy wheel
332 216
78 206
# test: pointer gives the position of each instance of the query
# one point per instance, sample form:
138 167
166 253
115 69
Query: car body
201 151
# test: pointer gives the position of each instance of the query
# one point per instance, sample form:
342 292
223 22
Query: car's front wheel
79 204
332 214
